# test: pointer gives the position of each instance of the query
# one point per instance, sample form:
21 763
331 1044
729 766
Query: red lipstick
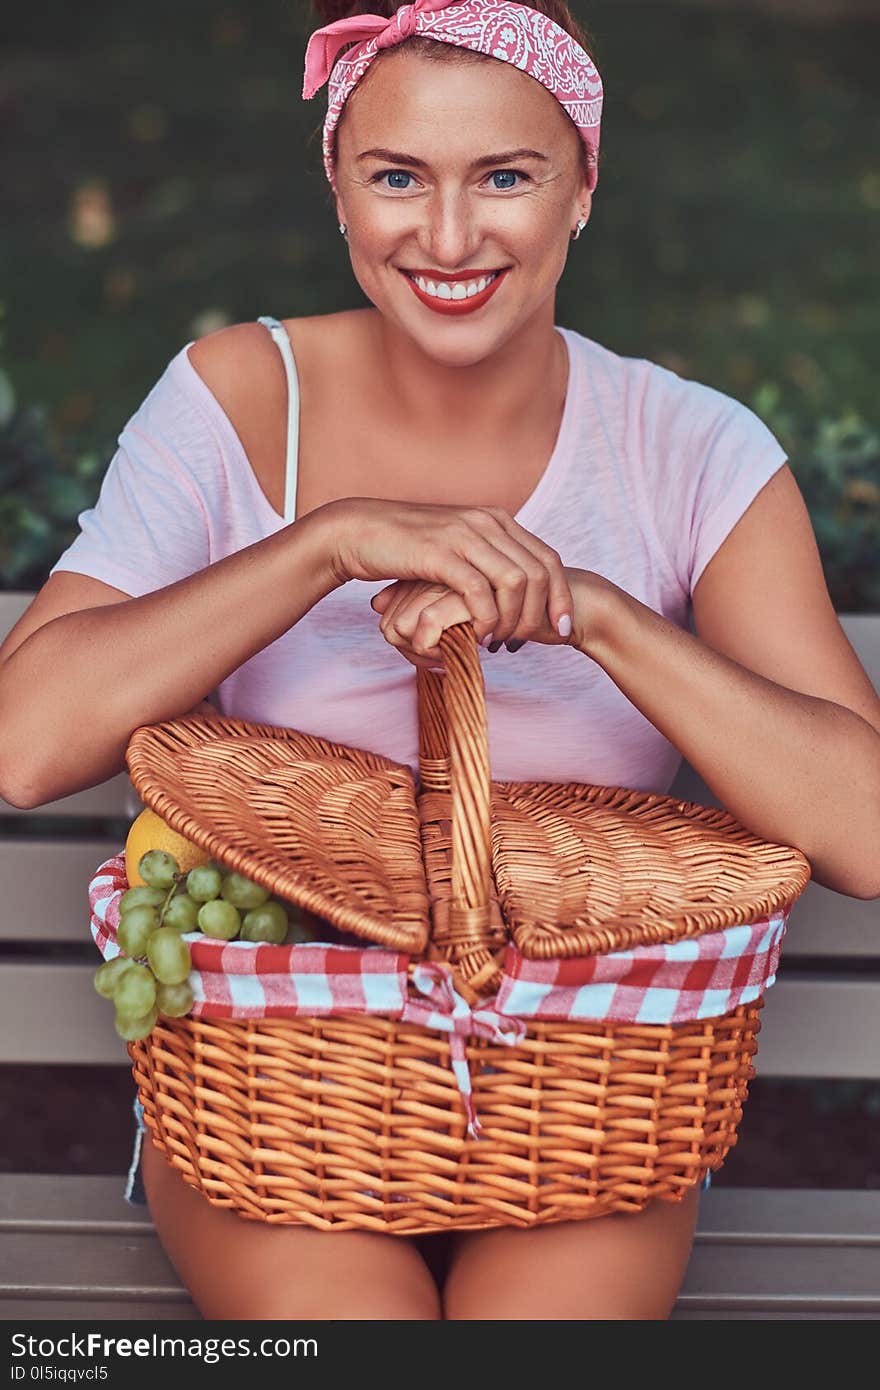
455 306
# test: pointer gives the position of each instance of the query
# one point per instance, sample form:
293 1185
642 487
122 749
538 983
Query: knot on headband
324 44
405 18
513 33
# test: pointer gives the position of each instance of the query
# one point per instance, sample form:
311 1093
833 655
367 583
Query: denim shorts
134 1183
133 1191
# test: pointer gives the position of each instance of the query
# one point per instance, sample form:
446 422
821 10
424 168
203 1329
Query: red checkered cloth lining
244 979
699 977
702 977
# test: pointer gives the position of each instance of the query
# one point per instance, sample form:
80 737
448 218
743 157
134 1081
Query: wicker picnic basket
357 1120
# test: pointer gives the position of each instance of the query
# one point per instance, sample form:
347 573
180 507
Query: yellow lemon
148 832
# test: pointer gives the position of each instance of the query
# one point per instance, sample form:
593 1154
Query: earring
579 228
343 229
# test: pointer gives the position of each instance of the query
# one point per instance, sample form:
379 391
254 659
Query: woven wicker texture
358 1121
333 829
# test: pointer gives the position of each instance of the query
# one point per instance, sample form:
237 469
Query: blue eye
506 174
393 174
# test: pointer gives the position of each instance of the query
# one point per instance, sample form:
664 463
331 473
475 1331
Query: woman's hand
508 582
415 613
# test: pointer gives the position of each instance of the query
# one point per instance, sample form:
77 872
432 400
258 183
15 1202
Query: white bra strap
282 341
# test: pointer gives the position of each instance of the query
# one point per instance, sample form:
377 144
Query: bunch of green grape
151 974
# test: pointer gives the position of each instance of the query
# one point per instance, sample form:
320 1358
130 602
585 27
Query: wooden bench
70 1247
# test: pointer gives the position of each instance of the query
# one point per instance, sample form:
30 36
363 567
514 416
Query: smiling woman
450 454
485 166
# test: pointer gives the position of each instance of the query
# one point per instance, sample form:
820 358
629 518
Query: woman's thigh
627 1265
235 1268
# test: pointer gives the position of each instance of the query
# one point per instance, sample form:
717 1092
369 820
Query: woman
497 469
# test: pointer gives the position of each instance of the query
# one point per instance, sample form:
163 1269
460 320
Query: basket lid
588 870
331 828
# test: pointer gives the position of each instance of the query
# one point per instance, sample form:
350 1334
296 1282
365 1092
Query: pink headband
516 34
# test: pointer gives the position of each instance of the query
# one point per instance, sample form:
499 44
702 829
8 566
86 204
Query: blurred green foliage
42 491
838 471
43 487
163 177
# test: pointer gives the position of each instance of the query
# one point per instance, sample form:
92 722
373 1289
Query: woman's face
442 198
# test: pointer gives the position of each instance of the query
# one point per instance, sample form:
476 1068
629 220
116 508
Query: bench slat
792 1253
115 797
45 887
76 1264
821 1026
817 1027
67 1201
752 1215
817 1279
758 1253
49 1012
71 1246
96 1311
822 923
742 1314
738 1215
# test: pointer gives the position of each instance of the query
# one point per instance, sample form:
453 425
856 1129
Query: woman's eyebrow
395 157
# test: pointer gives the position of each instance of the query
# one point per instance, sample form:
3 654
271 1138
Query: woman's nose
450 234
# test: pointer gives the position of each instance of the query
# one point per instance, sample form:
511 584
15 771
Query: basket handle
467 927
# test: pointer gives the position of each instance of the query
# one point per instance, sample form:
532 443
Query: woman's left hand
416 612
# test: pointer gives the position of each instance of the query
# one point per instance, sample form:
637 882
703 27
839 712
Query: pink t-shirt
649 474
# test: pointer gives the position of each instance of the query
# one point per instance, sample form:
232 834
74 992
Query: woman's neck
521 379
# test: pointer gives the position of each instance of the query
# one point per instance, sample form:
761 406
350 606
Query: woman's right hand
509 580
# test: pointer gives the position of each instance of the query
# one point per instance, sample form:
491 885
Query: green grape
168 956
204 883
182 913
108 975
132 1028
136 897
142 912
220 919
135 993
175 1000
135 929
266 923
243 892
158 868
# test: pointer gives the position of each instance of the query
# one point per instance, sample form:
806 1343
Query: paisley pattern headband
516 34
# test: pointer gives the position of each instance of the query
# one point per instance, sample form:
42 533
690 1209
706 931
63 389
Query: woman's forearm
74 691
791 768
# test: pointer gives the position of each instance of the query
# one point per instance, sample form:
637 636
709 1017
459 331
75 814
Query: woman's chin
454 342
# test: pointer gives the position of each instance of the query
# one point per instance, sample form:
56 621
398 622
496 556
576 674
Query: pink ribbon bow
447 1011
324 45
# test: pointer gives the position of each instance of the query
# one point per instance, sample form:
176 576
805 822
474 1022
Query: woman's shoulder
238 375
660 393
242 358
